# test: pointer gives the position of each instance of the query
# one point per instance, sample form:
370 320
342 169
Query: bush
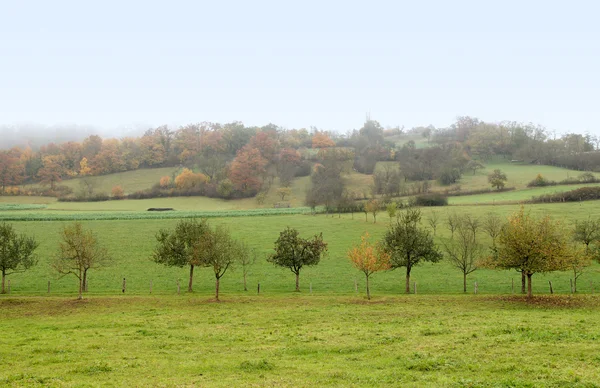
117 192
431 200
449 176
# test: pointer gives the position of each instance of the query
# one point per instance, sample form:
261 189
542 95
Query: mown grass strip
37 216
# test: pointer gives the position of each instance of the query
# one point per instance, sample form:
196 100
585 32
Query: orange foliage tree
117 192
321 140
369 258
246 169
189 180
165 181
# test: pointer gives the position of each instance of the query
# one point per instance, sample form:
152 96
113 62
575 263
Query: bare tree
247 258
433 219
492 225
463 252
452 222
471 223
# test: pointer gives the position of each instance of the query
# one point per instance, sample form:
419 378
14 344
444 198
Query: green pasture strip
299 340
20 206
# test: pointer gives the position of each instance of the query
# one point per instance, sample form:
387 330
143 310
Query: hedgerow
20 206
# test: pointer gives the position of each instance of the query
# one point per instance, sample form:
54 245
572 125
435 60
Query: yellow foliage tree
165 181
117 192
369 258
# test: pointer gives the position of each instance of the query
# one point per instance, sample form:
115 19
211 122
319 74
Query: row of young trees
524 243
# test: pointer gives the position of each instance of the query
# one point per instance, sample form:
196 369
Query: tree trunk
465 283
85 280
374 218
407 290
368 291
298 281
3 281
522 282
245 288
191 278
217 289
80 286
574 280
529 292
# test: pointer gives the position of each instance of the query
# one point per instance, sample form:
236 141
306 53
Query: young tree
433 220
579 261
246 258
453 221
497 179
408 244
463 252
369 258
16 252
532 245
79 251
471 223
474 165
492 225
587 232
295 252
373 207
182 246
284 192
391 210
219 252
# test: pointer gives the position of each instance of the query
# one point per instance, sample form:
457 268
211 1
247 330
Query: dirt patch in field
550 301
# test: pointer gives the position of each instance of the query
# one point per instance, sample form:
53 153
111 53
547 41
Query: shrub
431 200
190 180
581 194
117 192
449 176
165 182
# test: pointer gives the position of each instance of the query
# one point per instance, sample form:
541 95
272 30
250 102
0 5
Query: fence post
151 286
48 286
355 286
476 288
124 285
178 288
550 283
513 286
9 286
258 288
415 287
310 288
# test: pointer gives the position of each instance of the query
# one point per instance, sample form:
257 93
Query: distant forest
232 160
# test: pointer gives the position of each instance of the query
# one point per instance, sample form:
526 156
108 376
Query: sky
326 64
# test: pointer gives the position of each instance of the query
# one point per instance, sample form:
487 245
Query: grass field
300 341
327 335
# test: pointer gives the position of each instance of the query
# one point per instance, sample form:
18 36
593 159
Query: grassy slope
459 341
130 181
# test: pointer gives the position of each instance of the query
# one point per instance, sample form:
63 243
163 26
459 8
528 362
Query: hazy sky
303 63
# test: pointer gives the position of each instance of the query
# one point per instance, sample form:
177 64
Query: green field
300 341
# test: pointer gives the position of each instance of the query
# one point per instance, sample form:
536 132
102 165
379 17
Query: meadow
329 334
299 341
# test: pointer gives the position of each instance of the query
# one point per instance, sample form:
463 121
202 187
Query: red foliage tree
246 168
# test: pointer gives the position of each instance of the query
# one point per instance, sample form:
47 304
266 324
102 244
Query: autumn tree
463 252
16 252
532 246
497 179
408 244
188 180
182 246
373 207
165 182
52 170
295 252
11 169
322 140
79 251
117 192
369 258
246 169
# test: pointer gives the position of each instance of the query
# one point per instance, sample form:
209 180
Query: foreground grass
300 341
